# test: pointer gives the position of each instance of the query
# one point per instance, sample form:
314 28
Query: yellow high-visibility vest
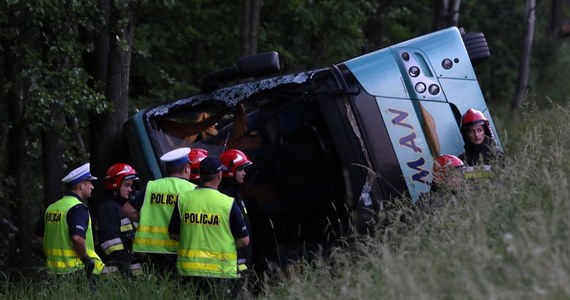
207 246
160 197
61 256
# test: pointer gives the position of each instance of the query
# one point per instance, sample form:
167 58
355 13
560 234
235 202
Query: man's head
211 170
177 162
79 181
235 162
120 178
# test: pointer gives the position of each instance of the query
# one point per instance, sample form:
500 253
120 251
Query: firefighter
235 161
480 147
447 183
153 207
196 156
447 173
66 229
115 231
210 228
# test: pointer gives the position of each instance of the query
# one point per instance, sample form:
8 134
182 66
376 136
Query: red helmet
195 156
443 163
233 159
472 117
117 173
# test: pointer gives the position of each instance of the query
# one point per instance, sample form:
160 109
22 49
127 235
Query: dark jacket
112 224
230 187
486 153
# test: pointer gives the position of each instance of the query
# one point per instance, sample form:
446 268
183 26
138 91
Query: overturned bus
329 146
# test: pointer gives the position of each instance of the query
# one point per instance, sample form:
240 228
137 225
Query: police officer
66 229
210 228
153 206
235 162
115 231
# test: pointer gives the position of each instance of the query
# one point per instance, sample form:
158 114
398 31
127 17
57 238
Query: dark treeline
72 71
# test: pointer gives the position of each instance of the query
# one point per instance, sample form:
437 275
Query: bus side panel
441 45
378 74
376 139
140 148
409 143
448 135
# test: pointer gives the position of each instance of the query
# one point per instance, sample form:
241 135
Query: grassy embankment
506 239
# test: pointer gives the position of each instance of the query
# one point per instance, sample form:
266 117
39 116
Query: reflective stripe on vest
153 229
160 197
207 246
481 171
136 270
126 225
61 257
112 245
110 269
242 266
208 254
157 243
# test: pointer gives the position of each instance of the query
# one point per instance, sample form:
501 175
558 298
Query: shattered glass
233 95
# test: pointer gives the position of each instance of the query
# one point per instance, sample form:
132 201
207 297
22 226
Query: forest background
73 71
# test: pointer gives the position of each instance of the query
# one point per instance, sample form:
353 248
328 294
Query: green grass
505 238
148 286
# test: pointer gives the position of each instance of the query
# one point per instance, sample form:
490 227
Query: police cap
80 174
211 165
176 157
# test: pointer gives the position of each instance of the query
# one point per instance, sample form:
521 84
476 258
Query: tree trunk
96 62
255 9
19 164
245 25
250 26
441 14
524 67
79 145
108 141
52 150
453 19
373 30
97 65
17 167
446 13
103 43
555 17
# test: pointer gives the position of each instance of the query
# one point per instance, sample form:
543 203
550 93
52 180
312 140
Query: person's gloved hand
89 265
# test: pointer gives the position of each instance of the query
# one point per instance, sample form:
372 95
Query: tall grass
504 238
148 286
